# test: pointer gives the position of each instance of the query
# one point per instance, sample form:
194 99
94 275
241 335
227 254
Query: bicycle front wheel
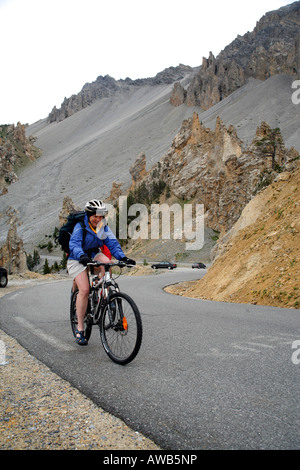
121 328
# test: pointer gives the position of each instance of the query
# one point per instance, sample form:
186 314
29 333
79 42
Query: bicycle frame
105 283
114 312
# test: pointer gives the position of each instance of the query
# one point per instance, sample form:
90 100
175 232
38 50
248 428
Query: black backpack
66 230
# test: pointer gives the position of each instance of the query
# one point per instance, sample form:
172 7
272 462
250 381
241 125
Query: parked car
3 277
198 265
164 265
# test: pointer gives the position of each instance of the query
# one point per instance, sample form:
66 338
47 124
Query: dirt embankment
259 260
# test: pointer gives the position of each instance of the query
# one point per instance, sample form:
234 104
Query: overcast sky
51 48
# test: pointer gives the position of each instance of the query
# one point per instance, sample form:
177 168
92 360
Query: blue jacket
92 242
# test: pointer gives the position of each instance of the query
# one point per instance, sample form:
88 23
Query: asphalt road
209 375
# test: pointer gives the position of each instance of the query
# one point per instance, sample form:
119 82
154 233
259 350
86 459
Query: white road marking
44 336
11 297
2 353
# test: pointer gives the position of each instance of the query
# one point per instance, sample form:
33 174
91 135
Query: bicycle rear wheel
121 328
74 321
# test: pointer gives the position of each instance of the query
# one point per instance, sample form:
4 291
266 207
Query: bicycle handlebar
120 264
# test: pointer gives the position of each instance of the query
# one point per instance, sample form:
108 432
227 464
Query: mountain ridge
105 87
95 147
272 48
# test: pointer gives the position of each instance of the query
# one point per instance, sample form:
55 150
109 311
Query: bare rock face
212 168
273 47
216 79
116 192
138 170
103 87
178 95
12 254
16 150
67 207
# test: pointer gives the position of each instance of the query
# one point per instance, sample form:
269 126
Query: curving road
209 375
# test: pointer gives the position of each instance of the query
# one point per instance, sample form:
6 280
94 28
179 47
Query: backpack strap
83 230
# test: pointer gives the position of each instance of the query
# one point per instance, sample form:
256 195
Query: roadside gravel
41 411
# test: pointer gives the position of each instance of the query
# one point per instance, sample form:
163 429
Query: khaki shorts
74 268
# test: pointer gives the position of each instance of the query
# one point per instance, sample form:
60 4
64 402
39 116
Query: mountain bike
114 312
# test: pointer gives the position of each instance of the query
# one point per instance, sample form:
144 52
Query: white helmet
95 207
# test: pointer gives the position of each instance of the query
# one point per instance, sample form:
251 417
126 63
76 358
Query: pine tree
63 262
46 268
36 257
30 262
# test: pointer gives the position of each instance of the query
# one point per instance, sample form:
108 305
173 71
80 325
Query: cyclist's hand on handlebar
84 259
128 260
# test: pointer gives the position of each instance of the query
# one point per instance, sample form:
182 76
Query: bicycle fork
115 312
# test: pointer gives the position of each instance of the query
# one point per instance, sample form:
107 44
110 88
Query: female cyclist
96 243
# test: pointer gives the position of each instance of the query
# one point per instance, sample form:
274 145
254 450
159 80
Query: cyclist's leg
82 297
74 268
74 286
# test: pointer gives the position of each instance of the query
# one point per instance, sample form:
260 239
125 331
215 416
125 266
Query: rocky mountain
212 168
272 48
258 259
218 156
105 87
16 151
12 253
